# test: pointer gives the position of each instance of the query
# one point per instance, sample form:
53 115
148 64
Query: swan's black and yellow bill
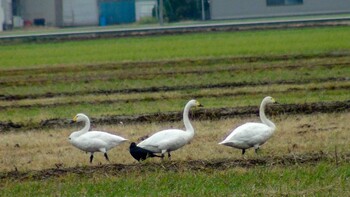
198 104
74 120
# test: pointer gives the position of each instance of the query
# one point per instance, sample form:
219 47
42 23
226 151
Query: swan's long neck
86 127
187 122
263 116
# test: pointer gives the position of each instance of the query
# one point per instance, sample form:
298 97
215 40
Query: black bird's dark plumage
140 153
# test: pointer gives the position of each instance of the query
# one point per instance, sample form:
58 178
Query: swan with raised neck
252 134
93 141
171 139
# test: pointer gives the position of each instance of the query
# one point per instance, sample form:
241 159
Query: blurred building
62 13
236 9
5 14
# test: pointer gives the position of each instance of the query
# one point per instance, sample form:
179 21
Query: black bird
139 153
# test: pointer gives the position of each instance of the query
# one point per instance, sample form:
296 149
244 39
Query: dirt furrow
169 63
167 88
144 75
177 166
196 95
203 114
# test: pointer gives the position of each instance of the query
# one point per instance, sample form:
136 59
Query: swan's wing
171 139
252 133
173 143
105 136
103 139
89 144
249 134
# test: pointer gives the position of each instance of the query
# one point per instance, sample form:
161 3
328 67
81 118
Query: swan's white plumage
97 141
171 139
166 141
252 134
93 141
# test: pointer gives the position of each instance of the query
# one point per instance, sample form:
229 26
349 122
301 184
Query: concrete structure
40 12
235 9
79 13
2 16
62 13
6 14
58 12
144 8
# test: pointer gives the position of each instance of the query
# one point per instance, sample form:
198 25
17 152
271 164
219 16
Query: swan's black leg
256 150
91 158
243 151
169 156
106 156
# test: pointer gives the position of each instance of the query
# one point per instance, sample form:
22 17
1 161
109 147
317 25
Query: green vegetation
323 179
133 76
141 88
296 41
36 114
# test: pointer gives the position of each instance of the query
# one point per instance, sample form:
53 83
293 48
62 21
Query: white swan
171 139
93 141
252 134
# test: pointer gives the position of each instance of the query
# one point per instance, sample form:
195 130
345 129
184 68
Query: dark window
283 2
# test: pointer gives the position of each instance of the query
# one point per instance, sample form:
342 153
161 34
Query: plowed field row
205 114
191 165
145 71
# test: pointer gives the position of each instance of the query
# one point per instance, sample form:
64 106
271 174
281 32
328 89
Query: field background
137 86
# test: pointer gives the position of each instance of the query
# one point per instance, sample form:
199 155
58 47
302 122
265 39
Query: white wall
34 9
80 12
2 16
143 8
227 9
7 7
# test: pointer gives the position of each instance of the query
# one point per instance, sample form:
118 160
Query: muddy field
136 82
207 114
176 166
145 94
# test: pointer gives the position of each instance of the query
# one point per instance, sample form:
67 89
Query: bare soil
72 103
178 166
168 88
204 114
33 76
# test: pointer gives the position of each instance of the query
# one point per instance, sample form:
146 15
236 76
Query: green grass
295 41
316 179
116 76
251 76
323 179
36 114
